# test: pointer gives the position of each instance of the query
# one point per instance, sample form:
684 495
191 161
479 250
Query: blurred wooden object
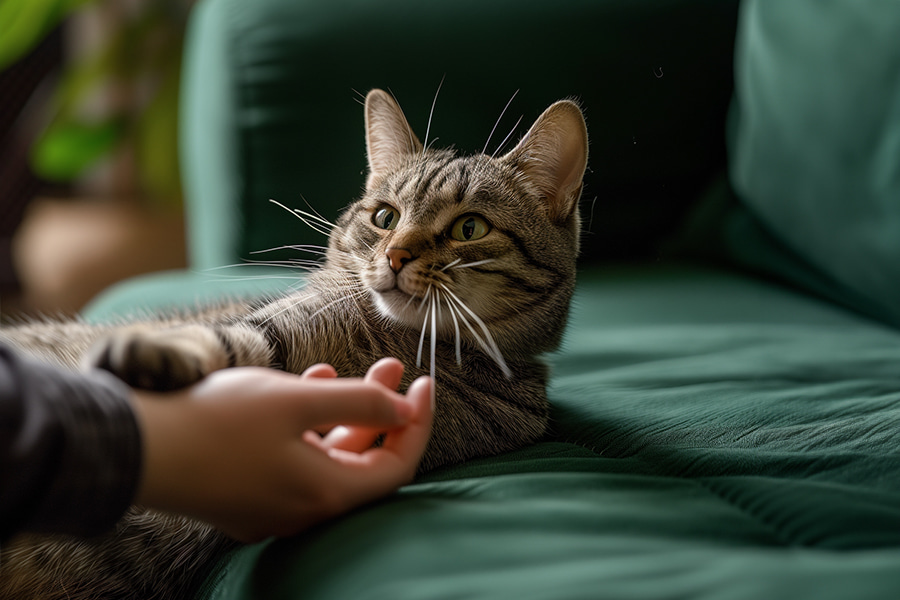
66 251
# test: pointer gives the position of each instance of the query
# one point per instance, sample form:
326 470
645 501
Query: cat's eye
468 228
386 217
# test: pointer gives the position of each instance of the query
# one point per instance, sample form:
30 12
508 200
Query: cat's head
471 238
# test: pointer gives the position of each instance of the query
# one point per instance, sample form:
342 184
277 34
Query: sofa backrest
272 89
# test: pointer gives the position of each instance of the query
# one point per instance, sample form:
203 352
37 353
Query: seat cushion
713 436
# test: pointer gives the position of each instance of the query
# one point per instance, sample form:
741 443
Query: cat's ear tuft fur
389 138
553 156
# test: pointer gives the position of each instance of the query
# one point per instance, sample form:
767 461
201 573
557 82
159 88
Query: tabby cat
476 254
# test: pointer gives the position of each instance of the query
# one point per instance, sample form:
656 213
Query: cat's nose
398 257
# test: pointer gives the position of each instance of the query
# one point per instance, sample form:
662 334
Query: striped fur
477 314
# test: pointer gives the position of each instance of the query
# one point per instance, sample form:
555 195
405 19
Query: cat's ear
553 157
389 138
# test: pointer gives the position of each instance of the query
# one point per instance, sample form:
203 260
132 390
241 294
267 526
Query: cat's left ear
553 157
389 138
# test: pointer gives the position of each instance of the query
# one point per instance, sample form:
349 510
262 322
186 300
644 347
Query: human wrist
169 456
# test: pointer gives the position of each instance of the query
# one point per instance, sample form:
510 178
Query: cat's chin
405 309
400 307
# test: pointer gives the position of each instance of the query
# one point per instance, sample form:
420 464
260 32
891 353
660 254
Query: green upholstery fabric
181 290
272 109
816 144
714 437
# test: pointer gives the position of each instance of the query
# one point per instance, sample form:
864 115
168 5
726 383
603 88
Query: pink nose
398 257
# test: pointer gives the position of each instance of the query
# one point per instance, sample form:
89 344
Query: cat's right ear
389 138
553 157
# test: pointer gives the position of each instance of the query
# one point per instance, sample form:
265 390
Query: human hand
237 450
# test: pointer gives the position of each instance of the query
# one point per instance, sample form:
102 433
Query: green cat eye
468 228
386 217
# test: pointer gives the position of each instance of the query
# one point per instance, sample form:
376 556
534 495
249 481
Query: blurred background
90 190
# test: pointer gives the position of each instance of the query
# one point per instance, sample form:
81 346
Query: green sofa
726 404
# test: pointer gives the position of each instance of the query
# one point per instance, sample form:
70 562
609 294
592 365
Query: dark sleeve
70 449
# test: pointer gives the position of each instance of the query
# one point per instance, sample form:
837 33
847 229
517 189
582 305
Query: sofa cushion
713 436
815 145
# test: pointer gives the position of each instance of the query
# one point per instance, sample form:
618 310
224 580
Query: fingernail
425 380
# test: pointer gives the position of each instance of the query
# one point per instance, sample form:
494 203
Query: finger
387 372
351 439
379 471
320 371
352 402
410 441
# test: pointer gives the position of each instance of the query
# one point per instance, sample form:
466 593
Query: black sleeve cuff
77 451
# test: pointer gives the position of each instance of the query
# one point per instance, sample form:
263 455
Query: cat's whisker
477 263
314 226
431 115
237 279
435 308
449 265
313 209
352 296
425 298
311 248
422 337
452 310
294 212
488 343
408 302
506 139
221 274
289 307
500 118
317 218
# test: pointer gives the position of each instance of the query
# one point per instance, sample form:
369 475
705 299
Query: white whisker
289 307
452 310
425 297
474 264
311 248
317 228
410 301
431 114
352 296
220 273
422 337
237 279
506 139
447 266
312 208
488 344
500 118
434 309
316 218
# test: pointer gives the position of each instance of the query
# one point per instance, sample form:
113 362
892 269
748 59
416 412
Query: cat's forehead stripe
425 182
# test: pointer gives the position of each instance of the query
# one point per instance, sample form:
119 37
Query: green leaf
24 23
67 148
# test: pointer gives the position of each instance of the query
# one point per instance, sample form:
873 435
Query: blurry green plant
141 57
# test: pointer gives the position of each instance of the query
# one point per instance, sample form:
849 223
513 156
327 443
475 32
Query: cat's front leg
166 358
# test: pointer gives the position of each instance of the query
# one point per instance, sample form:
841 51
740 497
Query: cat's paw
159 359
